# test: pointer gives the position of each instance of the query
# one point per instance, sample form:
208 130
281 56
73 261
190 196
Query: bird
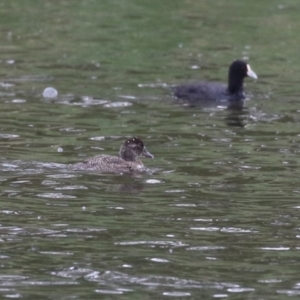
128 160
214 93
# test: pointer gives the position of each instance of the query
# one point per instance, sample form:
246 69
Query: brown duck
127 161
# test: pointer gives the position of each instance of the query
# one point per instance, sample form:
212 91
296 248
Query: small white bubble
50 93
83 208
60 149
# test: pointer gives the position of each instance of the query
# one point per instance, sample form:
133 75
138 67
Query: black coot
213 93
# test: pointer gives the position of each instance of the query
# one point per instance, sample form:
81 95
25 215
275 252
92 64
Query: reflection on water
216 215
235 117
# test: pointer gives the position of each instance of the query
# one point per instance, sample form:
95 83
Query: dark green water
218 216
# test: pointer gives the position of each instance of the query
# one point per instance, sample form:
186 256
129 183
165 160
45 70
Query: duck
215 93
128 160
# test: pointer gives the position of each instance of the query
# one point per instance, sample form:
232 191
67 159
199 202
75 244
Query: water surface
216 217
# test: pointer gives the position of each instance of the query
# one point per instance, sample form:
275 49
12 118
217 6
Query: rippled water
216 216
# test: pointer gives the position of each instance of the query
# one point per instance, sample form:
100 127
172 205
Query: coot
213 93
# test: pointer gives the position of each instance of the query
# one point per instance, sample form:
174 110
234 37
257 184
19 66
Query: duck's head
133 148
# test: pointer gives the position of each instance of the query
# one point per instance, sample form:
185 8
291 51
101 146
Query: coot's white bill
251 73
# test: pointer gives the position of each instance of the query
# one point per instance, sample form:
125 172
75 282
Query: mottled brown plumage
127 161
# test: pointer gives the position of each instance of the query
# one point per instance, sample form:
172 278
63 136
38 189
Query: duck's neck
127 154
235 85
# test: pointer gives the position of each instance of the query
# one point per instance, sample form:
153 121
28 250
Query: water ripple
163 243
205 248
276 248
177 294
56 196
110 277
117 104
224 229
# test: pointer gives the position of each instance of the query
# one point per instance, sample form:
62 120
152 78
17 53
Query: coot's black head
241 69
238 70
133 148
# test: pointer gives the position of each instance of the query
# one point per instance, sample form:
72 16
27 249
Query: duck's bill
250 73
146 153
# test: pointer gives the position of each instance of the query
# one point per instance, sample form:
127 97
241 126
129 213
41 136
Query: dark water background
218 216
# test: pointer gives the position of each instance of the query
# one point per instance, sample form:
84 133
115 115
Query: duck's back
108 164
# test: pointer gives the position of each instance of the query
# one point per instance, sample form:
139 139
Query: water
216 217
